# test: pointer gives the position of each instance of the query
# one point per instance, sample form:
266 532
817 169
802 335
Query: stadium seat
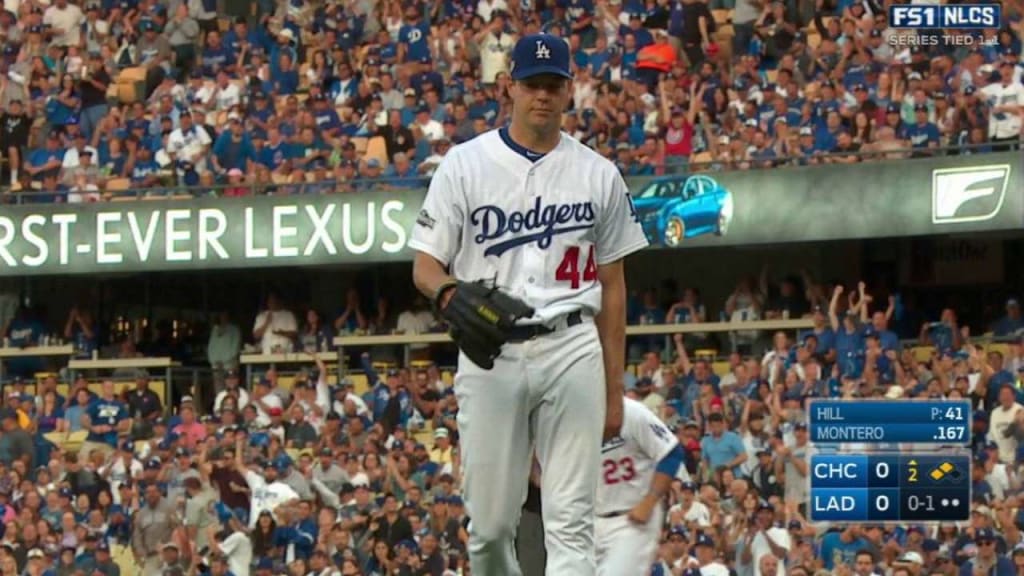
1001 347
701 159
922 353
360 142
425 437
68 441
705 354
359 383
135 74
377 148
118 185
720 368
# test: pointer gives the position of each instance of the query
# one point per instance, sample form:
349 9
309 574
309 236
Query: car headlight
727 207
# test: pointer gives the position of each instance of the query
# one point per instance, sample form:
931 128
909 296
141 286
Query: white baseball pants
625 548
548 395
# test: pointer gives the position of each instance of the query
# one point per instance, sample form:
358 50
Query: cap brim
540 71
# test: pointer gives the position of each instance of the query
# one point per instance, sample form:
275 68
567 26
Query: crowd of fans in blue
311 478
283 98
308 477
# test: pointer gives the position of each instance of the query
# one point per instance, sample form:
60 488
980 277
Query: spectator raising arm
833 305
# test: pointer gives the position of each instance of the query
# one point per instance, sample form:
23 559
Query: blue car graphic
672 208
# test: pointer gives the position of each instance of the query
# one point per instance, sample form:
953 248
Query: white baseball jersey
539 229
628 461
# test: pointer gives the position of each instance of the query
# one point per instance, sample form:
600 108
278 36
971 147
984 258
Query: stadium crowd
316 97
311 478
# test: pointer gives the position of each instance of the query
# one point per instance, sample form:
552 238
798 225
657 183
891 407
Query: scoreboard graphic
931 483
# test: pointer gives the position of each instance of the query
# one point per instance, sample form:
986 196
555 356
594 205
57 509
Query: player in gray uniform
547 221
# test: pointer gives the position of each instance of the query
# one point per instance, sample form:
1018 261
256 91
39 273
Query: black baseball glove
480 318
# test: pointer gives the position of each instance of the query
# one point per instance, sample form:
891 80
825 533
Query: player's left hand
613 418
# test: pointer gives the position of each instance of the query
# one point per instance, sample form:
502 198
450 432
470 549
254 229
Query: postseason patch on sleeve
425 220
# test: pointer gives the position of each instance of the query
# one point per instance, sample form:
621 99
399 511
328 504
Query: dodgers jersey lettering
539 229
629 460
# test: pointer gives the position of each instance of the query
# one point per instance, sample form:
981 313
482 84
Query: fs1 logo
972 194
963 16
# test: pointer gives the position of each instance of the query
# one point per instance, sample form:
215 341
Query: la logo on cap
543 52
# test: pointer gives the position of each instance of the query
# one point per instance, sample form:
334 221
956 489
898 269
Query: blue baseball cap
538 54
704 540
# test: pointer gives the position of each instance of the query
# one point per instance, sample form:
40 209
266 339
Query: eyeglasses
987 543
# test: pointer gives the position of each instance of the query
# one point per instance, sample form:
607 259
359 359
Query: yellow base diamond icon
942 470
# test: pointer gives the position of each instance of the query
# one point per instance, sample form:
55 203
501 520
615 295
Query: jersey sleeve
439 224
619 233
653 437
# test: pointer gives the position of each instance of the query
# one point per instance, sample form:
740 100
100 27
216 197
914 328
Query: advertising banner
921 197
946 195
206 233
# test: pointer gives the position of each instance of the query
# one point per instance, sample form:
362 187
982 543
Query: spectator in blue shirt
276 150
233 149
401 173
880 326
286 79
849 335
23 331
1012 323
843 547
284 45
327 121
722 448
143 170
217 56
107 415
827 137
413 37
987 560
922 133
48 159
